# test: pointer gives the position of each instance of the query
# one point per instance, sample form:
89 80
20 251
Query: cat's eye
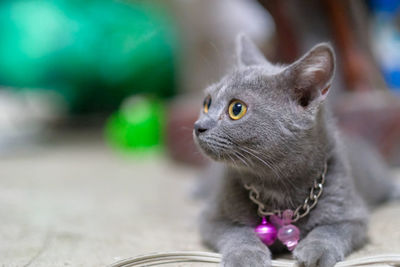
237 109
206 104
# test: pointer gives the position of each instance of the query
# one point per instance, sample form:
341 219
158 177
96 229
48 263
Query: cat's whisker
242 159
233 161
221 140
286 183
249 162
265 160
270 166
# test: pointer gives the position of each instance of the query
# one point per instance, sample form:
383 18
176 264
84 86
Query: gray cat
269 127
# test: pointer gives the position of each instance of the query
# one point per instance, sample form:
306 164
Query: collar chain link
309 203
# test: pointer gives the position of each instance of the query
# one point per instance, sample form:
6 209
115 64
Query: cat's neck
286 193
287 183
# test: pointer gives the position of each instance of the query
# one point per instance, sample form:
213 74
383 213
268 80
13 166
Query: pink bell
289 235
266 232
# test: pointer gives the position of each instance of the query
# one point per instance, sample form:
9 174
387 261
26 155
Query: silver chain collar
309 203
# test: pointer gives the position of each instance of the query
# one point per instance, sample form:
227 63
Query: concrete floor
75 203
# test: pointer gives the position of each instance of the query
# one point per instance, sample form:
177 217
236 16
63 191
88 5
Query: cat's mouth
216 149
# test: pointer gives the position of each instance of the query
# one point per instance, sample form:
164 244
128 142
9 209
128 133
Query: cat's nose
198 129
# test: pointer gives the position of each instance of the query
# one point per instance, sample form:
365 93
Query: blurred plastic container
94 53
138 126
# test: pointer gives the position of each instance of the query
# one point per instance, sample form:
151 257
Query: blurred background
133 71
98 99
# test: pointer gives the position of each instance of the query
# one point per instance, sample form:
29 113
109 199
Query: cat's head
260 112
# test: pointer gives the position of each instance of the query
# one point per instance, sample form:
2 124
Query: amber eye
237 109
206 104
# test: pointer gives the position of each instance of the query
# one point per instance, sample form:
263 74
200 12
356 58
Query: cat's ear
312 75
247 52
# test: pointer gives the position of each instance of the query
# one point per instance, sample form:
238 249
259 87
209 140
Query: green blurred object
137 126
94 52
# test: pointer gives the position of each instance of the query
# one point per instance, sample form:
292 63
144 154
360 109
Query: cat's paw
317 253
246 257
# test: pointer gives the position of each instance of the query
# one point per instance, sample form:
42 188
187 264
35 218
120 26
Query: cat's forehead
232 82
242 81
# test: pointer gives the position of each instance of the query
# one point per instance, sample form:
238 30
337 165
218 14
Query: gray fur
280 146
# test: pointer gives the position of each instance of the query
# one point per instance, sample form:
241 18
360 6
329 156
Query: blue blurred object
386 39
94 53
386 6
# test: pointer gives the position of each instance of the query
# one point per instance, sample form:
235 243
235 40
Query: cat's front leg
239 245
245 255
325 245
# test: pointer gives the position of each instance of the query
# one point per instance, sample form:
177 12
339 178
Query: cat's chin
220 157
209 152
215 154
